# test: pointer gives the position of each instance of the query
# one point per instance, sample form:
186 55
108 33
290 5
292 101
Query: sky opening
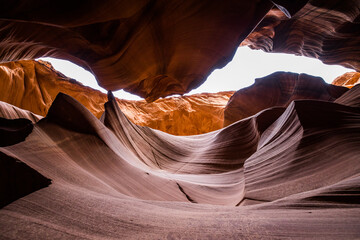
241 72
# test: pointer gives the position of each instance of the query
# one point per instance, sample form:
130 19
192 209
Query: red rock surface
34 85
158 48
9 111
113 179
278 90
326 30
150 48
285 172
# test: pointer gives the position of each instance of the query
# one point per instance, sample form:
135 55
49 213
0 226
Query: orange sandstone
34 85
348 79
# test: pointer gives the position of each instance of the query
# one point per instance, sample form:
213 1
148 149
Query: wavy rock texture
305 125
34 85
278 89
9 111
327 30
280 172
350 98
16 178
158 48
348 79
297 167
149 48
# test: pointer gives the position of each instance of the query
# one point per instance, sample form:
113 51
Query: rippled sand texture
284 172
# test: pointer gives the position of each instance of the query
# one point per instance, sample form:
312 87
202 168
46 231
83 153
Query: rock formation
278 90
113 179
9 111
187 115
327 30
348 79
350 98
281 172
141 46
158 48
33 86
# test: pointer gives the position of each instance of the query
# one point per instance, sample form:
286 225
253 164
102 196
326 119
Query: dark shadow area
17 180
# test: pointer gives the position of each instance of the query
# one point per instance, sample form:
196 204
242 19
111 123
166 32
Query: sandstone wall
278 89
348 79
34 85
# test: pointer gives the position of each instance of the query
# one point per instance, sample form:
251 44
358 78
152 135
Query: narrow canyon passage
278 159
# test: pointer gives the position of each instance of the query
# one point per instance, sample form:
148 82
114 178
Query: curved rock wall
113 179
34 85
327 30
297 166
150 48
278 90
158 48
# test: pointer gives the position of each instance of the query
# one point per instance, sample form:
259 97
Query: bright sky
241 72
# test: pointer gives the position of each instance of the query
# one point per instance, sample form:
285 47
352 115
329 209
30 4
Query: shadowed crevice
13 131
187 196
18 180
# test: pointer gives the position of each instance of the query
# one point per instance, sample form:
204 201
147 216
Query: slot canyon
279 159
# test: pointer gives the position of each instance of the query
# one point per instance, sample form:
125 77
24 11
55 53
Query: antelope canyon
279 159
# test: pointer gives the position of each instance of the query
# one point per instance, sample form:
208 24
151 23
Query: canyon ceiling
73 165
157 48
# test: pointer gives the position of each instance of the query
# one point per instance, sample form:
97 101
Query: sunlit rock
34 85
348 79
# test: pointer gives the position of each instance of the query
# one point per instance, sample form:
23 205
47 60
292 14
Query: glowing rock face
348 79
34 85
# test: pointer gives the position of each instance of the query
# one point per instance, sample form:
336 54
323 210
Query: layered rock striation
286 169
150 48
123 180
158 48
278 90
326 30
